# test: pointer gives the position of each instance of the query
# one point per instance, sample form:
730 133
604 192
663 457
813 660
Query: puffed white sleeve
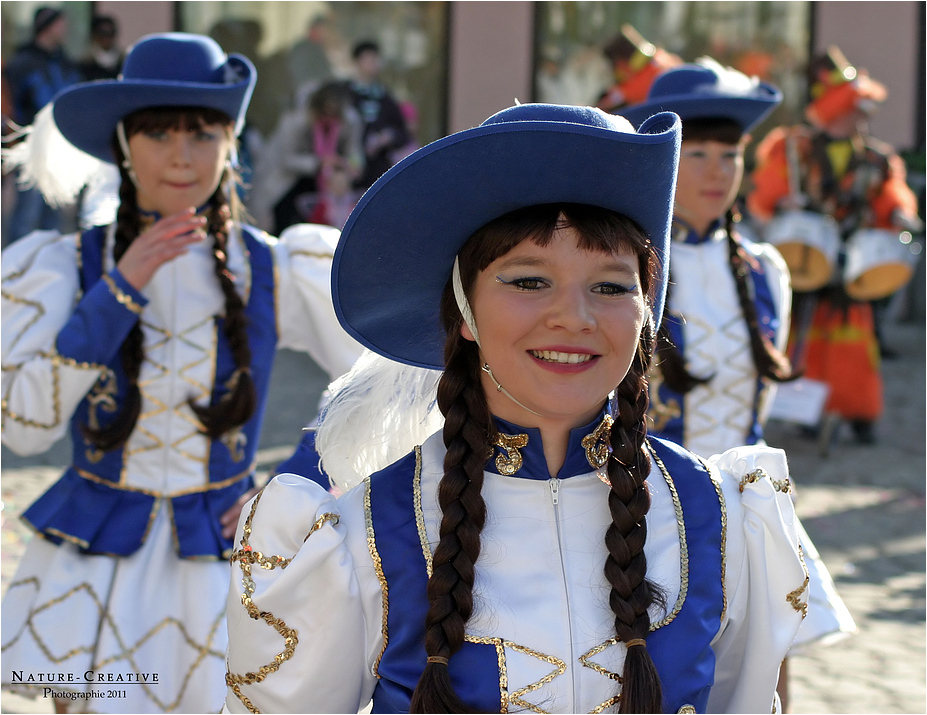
307 320
780 286
304 606
766 582
55 339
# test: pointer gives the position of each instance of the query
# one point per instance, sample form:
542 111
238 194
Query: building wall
138 18
492 44
491 65
884 38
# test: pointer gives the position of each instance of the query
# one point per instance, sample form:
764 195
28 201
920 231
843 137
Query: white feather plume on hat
378 412
50 162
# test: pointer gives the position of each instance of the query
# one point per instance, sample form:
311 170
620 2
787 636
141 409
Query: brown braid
626 565
236 407
468 434
671 363
467 431
132 352
770 362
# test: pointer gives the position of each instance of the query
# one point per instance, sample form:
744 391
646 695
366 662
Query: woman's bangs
160 119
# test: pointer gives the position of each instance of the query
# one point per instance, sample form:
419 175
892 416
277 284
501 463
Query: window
275 36
767 39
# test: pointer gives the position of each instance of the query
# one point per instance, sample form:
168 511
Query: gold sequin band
124 298
440 660
635 641
247 557
759 473
794 597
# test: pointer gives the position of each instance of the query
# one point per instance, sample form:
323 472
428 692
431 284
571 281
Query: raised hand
164 241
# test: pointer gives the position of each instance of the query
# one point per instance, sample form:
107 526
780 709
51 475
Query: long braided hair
468 436
239 403
771 363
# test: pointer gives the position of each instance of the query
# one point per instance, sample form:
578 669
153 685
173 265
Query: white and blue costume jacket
328 596
707 325
66 312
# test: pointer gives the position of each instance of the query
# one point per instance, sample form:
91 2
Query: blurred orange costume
860 182
635 63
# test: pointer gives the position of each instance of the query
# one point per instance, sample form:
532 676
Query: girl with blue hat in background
150 342
540 552
721 346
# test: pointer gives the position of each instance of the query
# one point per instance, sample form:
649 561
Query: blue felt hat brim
87 113
398 247
747 111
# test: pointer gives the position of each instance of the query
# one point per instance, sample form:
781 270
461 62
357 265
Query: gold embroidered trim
211 486
54 238
378 567
683 544
516 697
511 460
793 596
687 710
596 443
783 485
723 505
121 296
246 556
660 412
326 517
278 312
313 254
419 513
57 362
601 670
84 544
34 581
499 643
125 653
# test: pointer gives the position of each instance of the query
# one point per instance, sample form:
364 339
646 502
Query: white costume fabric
151 611
720 414
540 594
732 407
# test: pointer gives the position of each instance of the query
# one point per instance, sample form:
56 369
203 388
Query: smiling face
178 166
709 177
559 326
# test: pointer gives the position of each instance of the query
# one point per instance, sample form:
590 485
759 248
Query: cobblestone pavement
863 506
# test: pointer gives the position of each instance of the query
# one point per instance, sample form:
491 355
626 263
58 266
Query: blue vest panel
89 508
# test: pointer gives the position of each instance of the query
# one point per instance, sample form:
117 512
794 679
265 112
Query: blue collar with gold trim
519 451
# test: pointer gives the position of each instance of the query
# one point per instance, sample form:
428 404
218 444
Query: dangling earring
463 305
126 155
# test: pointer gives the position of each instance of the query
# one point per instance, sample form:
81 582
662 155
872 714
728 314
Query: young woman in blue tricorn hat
540 552
150 342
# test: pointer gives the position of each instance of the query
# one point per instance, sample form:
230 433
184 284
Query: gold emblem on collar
510 461
596 443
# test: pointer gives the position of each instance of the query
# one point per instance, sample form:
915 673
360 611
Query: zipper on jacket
554 484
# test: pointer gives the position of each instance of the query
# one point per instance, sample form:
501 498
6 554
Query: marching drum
809 243
879 262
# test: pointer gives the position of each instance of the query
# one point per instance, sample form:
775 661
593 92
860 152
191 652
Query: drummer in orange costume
636 64
833 167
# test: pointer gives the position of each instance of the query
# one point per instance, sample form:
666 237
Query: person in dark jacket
384 125
36 73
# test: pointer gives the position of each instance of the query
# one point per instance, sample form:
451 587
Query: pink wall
490 59
138 18
491 45
882 37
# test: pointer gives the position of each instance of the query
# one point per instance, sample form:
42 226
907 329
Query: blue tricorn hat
173 69
706 89
398 247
